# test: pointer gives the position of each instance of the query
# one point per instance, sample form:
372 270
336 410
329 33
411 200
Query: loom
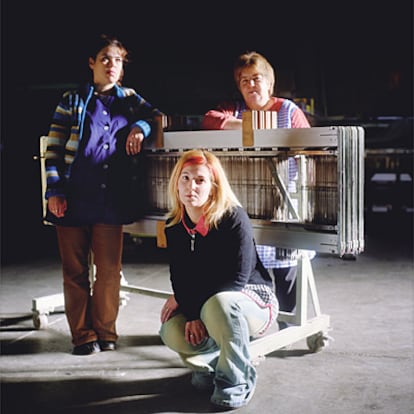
320 209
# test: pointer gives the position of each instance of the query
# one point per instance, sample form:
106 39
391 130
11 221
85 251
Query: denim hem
234 401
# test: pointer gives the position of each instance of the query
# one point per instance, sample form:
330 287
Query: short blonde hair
257 61
221 200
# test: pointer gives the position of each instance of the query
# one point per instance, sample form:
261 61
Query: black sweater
223 260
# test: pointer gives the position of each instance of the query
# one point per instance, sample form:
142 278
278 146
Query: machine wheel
123 302
40 321
123 299
316 342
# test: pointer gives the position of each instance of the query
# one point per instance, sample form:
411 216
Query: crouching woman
222 295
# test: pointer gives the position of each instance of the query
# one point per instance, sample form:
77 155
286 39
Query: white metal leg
313 329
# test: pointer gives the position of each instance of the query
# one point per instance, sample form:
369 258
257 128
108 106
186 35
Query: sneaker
233 401
107 345
87 349
202 381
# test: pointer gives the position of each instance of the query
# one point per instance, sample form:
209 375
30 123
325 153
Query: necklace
192 232
198 228
192 241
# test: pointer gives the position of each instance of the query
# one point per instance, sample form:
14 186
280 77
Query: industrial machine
320 208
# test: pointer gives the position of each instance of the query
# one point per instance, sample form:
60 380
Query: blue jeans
231 319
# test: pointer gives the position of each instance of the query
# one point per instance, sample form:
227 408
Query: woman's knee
227 312
221 305
172 333
219 313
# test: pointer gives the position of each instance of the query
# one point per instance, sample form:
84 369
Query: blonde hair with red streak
222 198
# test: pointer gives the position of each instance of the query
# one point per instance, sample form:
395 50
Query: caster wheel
316 342
349 256
123 299
40 321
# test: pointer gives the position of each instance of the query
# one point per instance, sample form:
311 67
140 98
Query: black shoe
87 349
107 345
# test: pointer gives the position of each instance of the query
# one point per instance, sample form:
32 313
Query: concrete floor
367 368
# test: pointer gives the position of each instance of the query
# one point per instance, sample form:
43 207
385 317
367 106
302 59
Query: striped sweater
66 130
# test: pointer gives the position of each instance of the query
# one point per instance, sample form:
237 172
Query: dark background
354 58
